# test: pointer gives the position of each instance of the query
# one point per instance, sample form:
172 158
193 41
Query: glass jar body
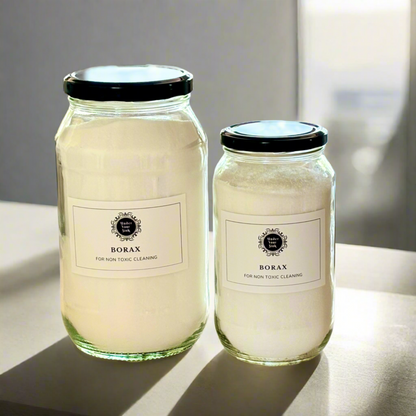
121 299
269 309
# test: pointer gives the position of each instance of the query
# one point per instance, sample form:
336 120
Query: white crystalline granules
278 326
128 159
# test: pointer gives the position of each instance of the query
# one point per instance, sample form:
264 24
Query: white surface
368 367
30 316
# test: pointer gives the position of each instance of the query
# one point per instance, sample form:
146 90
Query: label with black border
272 254
128 239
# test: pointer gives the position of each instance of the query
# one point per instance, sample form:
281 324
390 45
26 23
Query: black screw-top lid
128 83
274 136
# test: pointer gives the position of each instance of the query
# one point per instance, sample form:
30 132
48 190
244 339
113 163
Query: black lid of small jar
274 136
128 83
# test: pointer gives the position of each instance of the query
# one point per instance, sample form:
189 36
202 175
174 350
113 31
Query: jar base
268 362
90 349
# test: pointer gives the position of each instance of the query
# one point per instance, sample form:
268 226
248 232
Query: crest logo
272 242
126 226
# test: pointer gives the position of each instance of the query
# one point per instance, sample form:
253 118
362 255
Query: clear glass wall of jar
132 202
274 223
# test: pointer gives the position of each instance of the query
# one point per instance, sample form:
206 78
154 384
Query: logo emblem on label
272 242
126 226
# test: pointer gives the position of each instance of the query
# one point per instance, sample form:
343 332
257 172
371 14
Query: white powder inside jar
279 326
127 159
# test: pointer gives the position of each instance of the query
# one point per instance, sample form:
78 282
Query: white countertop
368 367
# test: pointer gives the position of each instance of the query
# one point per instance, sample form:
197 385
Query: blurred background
349 65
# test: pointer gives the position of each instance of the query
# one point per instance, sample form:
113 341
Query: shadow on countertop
63 379
30 273
227 386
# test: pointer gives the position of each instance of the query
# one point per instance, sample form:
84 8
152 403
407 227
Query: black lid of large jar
128 83
274 136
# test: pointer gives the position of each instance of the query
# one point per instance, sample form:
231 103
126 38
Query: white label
273 254
128 239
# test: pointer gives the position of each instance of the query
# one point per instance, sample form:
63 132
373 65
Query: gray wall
243 54
411 139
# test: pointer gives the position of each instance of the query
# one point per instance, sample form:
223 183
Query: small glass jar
132 201
274 223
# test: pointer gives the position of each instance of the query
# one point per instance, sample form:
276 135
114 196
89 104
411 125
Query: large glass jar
132 201
274 229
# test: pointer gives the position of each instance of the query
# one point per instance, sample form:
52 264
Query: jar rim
128 83
274 136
